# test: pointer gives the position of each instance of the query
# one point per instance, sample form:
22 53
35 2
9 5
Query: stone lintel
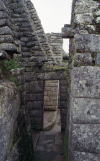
68 32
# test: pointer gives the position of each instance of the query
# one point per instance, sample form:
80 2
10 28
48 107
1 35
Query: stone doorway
51 117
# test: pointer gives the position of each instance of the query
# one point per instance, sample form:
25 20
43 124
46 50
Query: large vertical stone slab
9 108
85 82
84 125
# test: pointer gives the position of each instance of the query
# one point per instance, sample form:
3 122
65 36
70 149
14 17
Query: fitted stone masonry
51 92
84 50
39 81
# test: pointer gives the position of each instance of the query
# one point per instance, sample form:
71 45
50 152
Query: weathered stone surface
2 6
22 44
37 120
36 113
63 104
24 49
85 7
17 71
5 30
26 54
55 41
97 59
87 42
6 38
63 118
33 58
64 82
90 28
8 46
86 138
9 107
63 96
21 79
23 98
30 44
52 75
14 154
63 112
84 111
35 105
24 39
13 5
50 108
19 10
3 22
68 32
3 14
88 156
27 87
30 97
85 82
34 97
29 76
83 59
39 96
24 59
83 18
29 64
63 89
3 54
1 138
36 86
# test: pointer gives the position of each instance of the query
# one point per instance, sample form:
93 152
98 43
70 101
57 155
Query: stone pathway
50 144
52 121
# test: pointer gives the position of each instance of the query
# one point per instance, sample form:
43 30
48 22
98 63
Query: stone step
50 146
49 119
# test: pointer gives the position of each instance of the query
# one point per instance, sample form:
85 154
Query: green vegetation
12 63
17 6
95 16
26 146
24 141
7 66
13 79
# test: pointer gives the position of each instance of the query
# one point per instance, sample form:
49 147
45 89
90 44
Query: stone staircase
48 145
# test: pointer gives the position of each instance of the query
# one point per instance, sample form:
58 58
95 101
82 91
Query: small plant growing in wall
13 79
12 64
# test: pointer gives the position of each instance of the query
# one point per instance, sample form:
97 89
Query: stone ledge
49 119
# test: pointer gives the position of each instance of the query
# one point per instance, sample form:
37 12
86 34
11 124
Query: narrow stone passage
50 144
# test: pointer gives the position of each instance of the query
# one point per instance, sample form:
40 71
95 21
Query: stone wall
83 111
51 91
22 35
9 108
38 29
56 41
8 36
34 96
